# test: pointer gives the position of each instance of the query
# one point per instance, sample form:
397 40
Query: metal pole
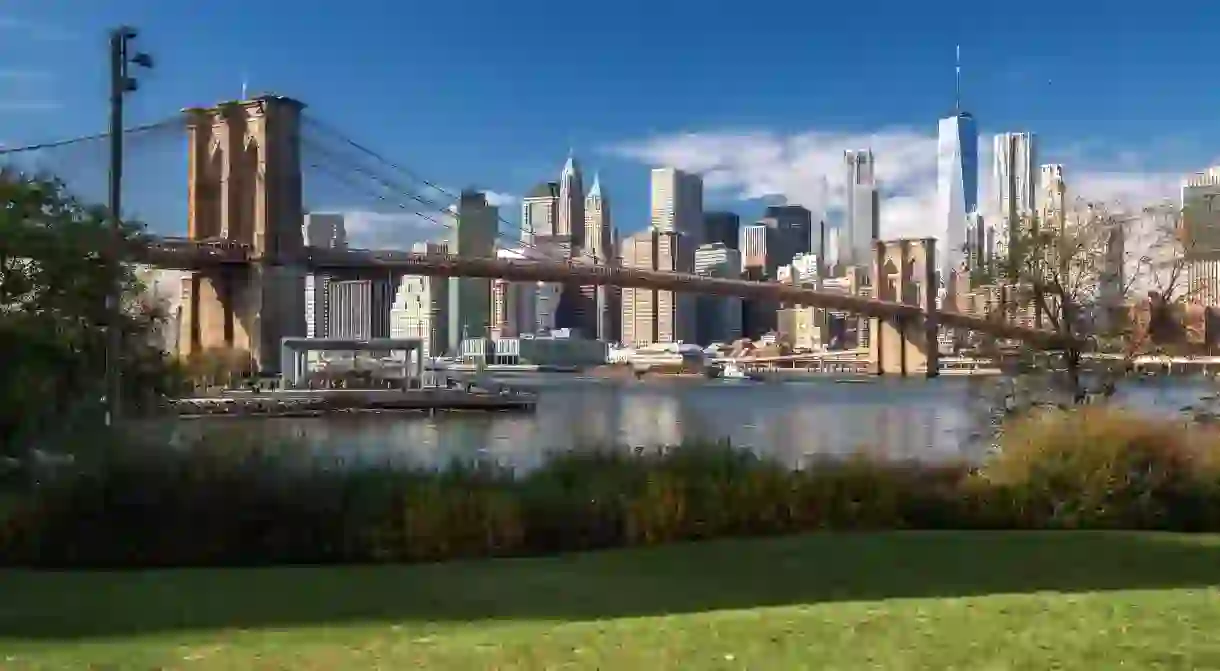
118 87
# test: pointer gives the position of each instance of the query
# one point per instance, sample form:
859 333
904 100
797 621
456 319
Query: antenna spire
957 81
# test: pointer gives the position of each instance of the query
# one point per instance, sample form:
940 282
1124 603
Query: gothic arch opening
889 281
249 182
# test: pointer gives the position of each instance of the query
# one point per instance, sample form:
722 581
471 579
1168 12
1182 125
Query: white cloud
29 106
497 199
390 230
749 165
34 29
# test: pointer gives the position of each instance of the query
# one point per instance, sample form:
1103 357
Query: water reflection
922 419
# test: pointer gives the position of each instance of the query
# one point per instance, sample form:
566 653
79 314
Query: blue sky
764 95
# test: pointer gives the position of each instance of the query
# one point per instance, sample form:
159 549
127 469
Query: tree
53 314
1076 273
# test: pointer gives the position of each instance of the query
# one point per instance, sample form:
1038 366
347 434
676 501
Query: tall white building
677 203
421 305
656 315
327 231
957 176
1014 156
570 222
863 217
677 228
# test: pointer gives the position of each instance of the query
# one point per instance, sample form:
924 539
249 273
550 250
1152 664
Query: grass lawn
971 601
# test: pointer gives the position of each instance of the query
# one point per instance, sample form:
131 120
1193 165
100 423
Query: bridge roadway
185 254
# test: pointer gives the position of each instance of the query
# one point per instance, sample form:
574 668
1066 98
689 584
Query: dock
317 403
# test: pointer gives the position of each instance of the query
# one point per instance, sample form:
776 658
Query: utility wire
5 151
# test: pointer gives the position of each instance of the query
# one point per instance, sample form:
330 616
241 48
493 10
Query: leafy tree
53 312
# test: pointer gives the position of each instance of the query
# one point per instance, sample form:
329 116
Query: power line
4 151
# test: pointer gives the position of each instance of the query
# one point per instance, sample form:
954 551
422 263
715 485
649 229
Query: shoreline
349 401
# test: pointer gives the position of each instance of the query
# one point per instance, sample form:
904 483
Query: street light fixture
121 83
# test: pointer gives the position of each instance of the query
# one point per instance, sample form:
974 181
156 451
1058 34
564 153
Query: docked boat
730 371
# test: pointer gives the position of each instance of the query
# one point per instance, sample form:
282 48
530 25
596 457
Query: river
789 421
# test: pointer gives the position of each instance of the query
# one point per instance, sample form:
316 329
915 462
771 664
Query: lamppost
121 83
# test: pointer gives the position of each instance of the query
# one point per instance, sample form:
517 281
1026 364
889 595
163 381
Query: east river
789 421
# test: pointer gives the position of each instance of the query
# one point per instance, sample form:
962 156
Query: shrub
226 504
1103 468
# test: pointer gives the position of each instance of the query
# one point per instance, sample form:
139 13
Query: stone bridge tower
904 271
244 173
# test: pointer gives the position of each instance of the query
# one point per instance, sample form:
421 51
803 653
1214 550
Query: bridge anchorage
247 259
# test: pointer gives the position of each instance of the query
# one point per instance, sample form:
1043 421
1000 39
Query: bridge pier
904 271
244 188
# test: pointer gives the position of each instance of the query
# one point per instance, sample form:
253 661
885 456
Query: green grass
972 601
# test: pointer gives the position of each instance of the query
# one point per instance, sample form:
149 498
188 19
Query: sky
762 97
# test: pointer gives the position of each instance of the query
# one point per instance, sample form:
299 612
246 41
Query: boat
730 371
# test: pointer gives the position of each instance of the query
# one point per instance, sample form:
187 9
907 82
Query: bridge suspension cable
347 180
332 157
326 129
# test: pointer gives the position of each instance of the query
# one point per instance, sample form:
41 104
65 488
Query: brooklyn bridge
250 165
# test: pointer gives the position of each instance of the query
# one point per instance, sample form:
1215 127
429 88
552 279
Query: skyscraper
324 230
655 315
1016 182
570 222
576 307
539 213
1054 191
360 309
599 236
718 318
677 227
957 178
539 223
475 227
862 225
677 203
721 227
957 188
599 249
794 228
421 306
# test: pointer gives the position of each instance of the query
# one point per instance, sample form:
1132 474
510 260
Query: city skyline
770 140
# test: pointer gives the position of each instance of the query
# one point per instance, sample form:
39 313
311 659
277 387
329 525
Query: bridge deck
187 255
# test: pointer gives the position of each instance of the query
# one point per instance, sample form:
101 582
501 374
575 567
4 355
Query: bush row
1091 468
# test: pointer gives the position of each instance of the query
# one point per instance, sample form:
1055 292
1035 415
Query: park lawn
943 600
